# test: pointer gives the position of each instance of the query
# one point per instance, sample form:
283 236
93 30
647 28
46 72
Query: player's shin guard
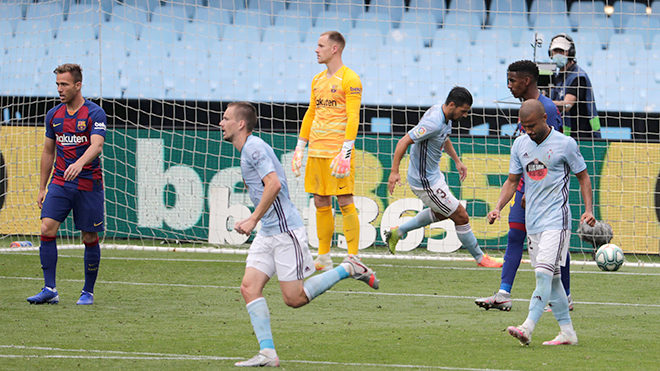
260 318
320 283
559 301
48 257
422 219
325 227
512 257
467 238
92 259
541 294
351 228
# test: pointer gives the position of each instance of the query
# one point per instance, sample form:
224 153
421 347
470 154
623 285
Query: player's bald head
531 109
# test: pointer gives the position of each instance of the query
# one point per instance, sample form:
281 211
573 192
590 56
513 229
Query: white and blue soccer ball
609 257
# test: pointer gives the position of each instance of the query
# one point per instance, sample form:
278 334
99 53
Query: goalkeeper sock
422 219
351 228
469 241
321 283
260 318
325 227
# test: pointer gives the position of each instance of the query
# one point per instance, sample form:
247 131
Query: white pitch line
165 356
370 293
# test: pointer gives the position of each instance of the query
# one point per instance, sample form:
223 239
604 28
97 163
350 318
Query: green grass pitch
184 311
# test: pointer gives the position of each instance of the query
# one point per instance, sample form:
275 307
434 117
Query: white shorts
439 199
286 254
548 249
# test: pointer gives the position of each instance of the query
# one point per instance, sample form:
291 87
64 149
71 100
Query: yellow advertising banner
21 148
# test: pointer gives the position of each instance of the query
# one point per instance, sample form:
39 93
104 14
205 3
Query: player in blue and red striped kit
75 133
522 79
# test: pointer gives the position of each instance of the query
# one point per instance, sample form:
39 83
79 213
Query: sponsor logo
58 124
342 187
99 126
525 155
256 157
82 125
70 140
97 224
536 170
353 90
326 102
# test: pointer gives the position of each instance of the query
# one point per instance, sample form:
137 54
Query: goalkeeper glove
341 165
296 161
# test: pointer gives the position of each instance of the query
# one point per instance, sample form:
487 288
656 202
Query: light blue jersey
546 169
258 160
429 137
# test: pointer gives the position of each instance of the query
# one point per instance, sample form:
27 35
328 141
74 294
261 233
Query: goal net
165 70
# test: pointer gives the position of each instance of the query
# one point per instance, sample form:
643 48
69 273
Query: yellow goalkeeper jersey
333 115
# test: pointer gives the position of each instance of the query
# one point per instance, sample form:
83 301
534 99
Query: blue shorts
87 206
516 212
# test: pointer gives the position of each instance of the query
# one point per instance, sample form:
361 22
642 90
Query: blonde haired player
330 126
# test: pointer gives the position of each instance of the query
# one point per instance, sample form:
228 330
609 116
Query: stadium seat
423 23
513 24
546 7
332 20
267 7
50 13
283 37
437 8
586 10
129 17
392 9
472 7
354 8
586 45
645 26
461 21
371 37
75 39
87 14
599 25
495 43
551 25
505 12
299 20
242 33
623 10
410 42
312 7
628 44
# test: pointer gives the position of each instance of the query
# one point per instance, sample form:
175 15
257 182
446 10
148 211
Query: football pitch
184 311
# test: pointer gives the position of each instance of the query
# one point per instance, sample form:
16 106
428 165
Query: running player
280 246
429 138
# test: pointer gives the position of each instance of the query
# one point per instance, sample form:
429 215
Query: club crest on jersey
536 170
333 89
82 125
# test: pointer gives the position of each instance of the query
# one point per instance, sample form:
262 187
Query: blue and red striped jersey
72 135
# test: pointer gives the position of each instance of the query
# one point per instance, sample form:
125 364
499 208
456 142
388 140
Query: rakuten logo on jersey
70 140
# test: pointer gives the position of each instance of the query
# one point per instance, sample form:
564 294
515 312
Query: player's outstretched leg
500 300
360 271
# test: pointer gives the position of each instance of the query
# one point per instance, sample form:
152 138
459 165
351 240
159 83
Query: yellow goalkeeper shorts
319 181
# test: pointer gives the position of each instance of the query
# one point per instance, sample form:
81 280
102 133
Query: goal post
165 71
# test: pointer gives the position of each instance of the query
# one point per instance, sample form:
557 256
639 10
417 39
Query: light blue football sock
469 241
260 318
422 219
559 301
321 283
541 295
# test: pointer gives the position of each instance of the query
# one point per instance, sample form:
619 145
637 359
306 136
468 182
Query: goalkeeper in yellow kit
330 126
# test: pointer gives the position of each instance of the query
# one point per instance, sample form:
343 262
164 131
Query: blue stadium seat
312 7
371 37
169 18
546 7
299 20
439 65
409 42
47 13
467 22
283 38
267 7
333 20
553 24
424 24
495 43
472 7
130 17
75 38
586 10
503 11
587 43
645 26
228 6
436 8
623 10
599 25
628 44
354 8
248 34
252 19
392 9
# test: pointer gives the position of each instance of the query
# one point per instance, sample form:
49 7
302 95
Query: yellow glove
341 165
296 161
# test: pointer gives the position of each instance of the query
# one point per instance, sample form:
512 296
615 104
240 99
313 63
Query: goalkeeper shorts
319 181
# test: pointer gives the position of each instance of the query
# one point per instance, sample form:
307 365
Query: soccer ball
609 257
